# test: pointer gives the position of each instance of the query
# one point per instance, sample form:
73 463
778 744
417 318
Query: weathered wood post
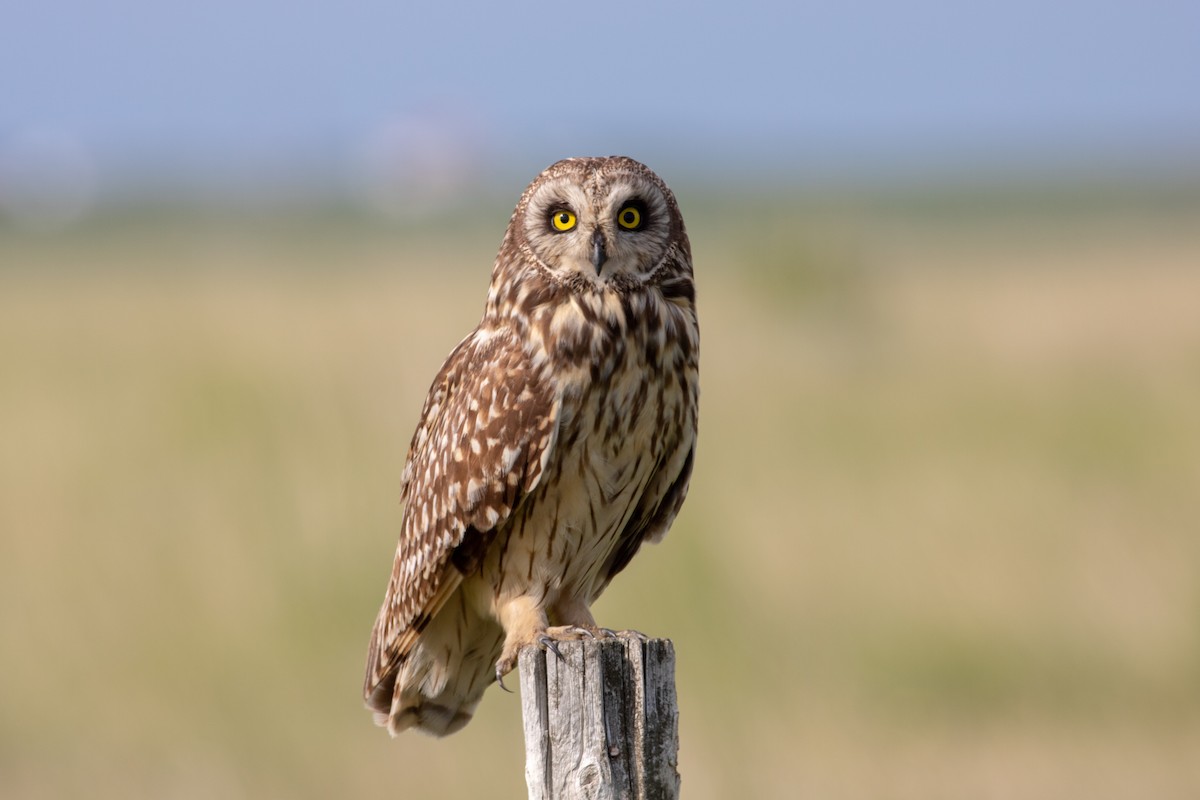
602 721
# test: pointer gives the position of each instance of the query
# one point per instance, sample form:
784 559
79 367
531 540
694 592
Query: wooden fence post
602 721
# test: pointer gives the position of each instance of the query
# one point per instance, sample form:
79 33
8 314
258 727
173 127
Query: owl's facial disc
598 229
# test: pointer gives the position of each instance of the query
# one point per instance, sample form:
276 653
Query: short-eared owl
557 437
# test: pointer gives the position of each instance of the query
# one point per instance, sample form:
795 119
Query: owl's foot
609 633
563 633
570 633
548 640
628 634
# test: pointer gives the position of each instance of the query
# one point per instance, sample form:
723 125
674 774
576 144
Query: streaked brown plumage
557 437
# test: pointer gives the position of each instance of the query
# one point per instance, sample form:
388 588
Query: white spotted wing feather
486 432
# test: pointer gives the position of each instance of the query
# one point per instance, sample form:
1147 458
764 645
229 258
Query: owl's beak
599 255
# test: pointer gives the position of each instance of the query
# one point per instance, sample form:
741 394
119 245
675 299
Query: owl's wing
487 430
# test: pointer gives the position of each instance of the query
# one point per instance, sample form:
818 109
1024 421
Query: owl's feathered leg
524 622
570 612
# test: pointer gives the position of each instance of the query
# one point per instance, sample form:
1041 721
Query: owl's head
597 221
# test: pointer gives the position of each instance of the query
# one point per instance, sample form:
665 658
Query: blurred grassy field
943 538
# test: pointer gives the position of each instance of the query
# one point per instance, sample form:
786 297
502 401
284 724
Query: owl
557 438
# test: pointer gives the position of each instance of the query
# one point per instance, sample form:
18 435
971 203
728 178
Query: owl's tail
441 680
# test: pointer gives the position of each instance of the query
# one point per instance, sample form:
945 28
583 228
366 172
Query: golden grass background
943 538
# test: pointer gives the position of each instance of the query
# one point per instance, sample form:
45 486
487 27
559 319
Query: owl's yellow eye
630 218
562 220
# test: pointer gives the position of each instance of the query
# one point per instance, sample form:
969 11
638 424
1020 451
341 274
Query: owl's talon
500 679
549 644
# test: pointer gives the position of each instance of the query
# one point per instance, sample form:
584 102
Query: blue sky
225 87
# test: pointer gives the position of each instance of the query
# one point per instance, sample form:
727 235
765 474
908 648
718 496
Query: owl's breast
626 416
